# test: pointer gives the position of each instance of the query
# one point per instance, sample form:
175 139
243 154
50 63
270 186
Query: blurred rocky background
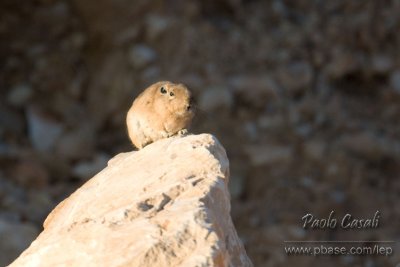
304 95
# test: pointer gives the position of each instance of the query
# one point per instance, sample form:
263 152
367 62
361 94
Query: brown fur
155 115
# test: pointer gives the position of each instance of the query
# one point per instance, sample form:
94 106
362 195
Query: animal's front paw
182 132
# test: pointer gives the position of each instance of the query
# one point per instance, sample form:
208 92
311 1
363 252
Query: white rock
165 205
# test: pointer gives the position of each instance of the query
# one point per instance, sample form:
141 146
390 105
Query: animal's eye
171 94
163 90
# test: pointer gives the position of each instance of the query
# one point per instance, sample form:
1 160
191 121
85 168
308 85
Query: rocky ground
304 95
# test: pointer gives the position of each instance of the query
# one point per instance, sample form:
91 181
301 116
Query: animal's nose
191 104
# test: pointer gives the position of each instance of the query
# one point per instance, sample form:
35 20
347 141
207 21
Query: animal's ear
163 90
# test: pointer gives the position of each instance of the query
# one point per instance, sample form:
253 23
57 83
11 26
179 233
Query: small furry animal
162 110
